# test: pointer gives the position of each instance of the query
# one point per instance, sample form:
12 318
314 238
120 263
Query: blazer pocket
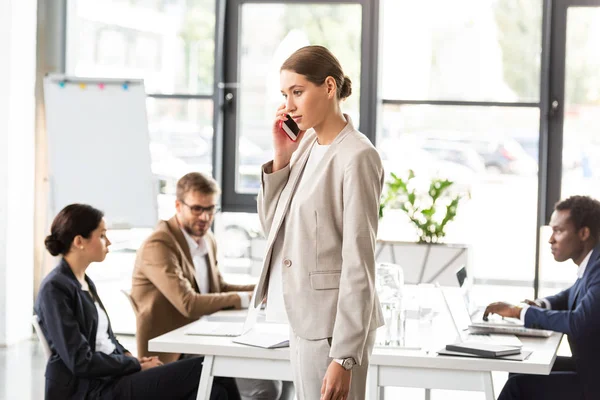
59 376
323 280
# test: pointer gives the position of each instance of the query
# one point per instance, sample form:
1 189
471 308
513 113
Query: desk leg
373 391
206 379
488 386
427 394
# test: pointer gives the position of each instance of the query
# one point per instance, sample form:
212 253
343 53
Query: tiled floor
22 376
22 371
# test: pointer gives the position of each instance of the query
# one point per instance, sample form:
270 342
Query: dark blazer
69 320
576 312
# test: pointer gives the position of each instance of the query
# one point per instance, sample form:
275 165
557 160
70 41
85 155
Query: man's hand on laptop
503 309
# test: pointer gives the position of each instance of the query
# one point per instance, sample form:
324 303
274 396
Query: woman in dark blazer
87 361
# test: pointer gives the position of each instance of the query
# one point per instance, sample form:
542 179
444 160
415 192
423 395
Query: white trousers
310 360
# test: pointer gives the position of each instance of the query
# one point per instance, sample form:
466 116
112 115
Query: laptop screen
464 282
457 310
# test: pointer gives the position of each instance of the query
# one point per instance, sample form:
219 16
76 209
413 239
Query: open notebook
270 340
229 324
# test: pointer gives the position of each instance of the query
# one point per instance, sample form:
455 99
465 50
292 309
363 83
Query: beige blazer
164 288
329 240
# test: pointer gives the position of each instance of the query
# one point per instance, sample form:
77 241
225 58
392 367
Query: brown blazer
164 288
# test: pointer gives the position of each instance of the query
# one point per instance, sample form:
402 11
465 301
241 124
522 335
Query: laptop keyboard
507 340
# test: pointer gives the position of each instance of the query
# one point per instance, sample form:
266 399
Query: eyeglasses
199 210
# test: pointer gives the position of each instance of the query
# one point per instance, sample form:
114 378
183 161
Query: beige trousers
310 360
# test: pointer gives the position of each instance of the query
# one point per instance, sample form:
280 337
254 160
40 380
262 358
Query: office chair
38 330
127 294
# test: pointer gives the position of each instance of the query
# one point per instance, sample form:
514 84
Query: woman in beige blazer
318 206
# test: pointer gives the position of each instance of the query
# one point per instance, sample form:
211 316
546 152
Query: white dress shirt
275 303
543 301
199 251
103 342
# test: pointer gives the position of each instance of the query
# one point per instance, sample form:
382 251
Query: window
170 44
334 26
461 91
468 50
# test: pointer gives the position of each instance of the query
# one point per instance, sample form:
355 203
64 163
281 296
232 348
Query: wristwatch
346 363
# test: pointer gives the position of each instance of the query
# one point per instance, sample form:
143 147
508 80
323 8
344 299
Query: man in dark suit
575 311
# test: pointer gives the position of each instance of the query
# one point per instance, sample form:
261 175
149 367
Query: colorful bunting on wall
83 85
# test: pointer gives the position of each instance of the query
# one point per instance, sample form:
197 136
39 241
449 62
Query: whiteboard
99 149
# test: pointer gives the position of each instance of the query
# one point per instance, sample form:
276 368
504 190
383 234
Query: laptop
206 327
466 284
494 325
462 321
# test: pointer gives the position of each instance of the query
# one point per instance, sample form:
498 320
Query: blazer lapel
282 207
581 283
288 191
175 230
297 169
331 151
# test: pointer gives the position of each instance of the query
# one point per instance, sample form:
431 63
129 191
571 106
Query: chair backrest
38 330
127 294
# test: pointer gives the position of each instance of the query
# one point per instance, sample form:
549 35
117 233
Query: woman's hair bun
53 245
346 89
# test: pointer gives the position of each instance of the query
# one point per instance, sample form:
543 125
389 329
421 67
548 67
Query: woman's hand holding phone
283 145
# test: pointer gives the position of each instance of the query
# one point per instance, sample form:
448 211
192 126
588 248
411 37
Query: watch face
348 364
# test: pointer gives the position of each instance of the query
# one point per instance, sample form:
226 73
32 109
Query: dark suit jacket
69 320
576 312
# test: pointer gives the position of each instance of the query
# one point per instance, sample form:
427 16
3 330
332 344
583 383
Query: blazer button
287 263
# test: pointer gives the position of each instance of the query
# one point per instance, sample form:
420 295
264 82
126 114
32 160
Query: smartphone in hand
290 128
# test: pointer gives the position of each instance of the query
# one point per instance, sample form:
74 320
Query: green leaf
422 207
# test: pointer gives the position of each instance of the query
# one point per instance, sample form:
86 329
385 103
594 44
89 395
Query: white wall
17 119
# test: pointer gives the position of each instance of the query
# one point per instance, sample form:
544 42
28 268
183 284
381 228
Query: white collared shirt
583 265
276 311
103 342
544 301
198 250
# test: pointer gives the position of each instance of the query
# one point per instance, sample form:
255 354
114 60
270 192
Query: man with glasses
176 279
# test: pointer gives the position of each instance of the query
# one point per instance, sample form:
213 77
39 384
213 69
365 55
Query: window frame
234 201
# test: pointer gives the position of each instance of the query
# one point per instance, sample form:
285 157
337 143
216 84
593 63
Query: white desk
392 367
222 357
388 367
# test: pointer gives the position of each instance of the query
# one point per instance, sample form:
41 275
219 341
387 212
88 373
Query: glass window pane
489 152
180 142
462 50
168 43
264 46
181 133
581 143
